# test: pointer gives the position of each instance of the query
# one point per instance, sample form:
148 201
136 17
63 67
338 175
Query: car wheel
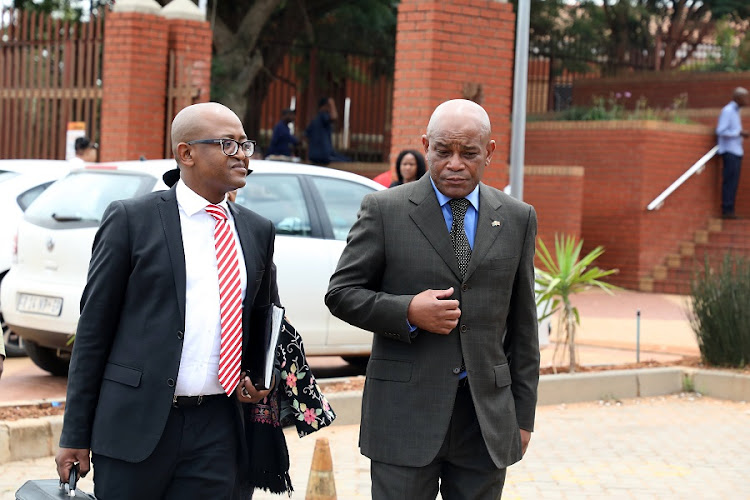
47 359
14 345
360 361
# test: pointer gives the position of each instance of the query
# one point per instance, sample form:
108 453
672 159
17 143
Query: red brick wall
704 90
627 164
135 81
136 61
440 48
556 192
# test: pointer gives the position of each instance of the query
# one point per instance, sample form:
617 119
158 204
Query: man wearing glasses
155 376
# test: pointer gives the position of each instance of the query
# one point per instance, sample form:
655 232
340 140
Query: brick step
728 239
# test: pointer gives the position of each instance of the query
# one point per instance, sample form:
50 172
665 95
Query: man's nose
455 162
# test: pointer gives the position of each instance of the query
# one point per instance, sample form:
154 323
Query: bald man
155 377
442 272
730 135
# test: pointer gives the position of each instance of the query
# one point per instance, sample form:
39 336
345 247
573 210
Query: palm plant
564 275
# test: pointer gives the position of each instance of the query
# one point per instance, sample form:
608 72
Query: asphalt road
22 380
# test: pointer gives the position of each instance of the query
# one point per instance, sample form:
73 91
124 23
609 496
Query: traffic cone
320 484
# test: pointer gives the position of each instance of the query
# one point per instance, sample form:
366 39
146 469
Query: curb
39 437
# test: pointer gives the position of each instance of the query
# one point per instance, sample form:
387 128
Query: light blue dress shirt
728 130
470 219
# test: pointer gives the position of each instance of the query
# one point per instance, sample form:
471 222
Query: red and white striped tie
230 296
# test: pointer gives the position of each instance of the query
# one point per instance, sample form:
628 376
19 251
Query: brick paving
670 447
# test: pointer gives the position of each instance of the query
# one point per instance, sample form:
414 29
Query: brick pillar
134 82
189 43
448 50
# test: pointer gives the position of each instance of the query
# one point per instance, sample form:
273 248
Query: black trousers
730 179
196 457
463 465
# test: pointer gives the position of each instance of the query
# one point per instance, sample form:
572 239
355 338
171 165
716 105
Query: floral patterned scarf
296 401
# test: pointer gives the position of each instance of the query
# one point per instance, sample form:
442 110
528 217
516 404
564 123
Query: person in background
2 357
86 151
319 134
410 167
730 136
281 138
442 271
156 374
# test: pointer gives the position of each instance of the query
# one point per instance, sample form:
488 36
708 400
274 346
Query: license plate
39 304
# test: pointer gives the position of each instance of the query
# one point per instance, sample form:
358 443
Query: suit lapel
489 225
247 244
428 216
170 220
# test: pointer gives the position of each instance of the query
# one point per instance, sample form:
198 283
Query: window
24 199
342 200
81 198
278 198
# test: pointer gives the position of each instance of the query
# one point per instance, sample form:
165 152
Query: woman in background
410 166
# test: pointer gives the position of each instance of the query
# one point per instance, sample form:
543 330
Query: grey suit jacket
129 337
400 246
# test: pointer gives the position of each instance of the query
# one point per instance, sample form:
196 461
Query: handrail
696 168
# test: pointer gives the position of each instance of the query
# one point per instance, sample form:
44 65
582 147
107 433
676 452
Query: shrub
720 315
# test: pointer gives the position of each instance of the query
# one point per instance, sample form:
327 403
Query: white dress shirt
729 130
199 362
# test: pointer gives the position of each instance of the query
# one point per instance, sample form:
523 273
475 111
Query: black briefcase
47 489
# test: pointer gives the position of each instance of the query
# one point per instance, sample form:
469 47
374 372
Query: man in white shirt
156 372
730 135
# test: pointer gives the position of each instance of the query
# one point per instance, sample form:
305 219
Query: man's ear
425 144
184 155
490 149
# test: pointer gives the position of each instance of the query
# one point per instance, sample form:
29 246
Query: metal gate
50 74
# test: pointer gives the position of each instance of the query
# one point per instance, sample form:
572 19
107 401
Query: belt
194 401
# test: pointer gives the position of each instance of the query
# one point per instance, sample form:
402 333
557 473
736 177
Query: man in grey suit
442 271
155 377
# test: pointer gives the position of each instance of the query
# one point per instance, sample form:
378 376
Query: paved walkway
673 447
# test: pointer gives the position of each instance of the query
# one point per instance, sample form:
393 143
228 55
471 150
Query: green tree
252 37
562 276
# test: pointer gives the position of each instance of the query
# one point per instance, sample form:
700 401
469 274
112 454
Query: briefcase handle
72 479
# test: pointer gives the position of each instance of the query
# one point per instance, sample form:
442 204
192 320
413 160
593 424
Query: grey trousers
462 468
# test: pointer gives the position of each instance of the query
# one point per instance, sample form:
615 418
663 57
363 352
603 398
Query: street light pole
520 79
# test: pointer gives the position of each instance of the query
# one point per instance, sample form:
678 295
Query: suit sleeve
100 314
522 338
354 290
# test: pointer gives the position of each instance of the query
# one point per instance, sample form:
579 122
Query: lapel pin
495 223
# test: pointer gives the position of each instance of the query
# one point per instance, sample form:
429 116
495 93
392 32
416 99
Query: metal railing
695 169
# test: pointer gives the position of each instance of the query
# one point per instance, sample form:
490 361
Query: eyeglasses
229 147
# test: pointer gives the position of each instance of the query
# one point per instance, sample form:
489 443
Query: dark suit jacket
130 333
400 246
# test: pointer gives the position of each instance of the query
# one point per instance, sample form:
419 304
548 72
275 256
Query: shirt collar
473 197
192 203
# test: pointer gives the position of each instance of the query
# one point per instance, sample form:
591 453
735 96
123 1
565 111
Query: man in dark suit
442 271
155 376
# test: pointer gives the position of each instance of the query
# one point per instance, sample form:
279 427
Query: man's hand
247 393
525 438
431 311
745 134
65 459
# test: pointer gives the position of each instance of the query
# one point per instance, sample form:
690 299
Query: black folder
258 358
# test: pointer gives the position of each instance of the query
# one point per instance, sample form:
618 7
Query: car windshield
83 196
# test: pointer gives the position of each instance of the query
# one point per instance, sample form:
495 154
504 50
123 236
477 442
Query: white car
21 181
312 208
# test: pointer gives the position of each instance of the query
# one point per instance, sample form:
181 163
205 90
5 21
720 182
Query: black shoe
728 216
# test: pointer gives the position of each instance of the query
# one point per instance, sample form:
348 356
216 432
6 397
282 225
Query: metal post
520 80
638 336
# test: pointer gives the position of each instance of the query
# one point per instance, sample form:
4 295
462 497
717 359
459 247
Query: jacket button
170 382
457 370
180 334
464 328
464 287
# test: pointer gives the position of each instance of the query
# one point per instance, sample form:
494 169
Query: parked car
312 208
21 181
